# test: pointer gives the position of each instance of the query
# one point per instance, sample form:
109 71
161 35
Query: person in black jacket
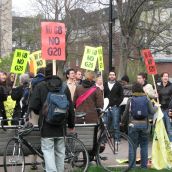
3 97
18 94
52 136
114 92
165 94
164 89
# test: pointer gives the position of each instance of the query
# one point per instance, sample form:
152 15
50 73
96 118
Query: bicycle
76 156
112 147
108 152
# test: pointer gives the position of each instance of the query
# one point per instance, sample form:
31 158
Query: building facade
5 27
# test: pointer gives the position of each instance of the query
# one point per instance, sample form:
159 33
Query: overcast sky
22 7
27 8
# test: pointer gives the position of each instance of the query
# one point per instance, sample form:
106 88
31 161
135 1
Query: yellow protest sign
19 61
38 62
100 58
161 147
9 107
89 59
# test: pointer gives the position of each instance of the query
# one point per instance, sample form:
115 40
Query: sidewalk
27 159
27 167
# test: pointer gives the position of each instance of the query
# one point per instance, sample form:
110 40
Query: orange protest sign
149 62
53 40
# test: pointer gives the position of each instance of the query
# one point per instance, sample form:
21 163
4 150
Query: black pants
3 114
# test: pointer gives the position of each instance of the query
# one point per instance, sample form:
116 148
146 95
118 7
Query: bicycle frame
105 132
29 146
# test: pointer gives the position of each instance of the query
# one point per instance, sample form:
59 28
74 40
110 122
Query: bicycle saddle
26 129
80 114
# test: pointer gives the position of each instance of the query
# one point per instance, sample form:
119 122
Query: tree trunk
60 69
124 53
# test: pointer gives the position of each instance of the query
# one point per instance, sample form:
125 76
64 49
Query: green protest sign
89 59
20 60
38 62
100 58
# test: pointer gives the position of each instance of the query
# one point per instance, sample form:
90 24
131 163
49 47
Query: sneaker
117 142
34 166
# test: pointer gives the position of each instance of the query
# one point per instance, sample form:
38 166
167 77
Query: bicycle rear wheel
13 157
76 155
113 156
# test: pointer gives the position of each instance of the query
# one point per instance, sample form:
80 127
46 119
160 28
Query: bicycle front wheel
13 157
113 155
76 155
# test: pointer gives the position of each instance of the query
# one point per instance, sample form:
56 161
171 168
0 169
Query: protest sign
53 40
36 59
32 67
20 60
100 58
149 62
161 147
89 59
9 105
150 66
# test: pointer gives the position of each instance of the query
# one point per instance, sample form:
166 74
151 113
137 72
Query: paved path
28 159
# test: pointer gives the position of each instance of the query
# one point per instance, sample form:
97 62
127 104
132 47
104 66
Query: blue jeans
112 120
54 153
139 135
168 124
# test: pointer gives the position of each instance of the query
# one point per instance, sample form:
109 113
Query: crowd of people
85 93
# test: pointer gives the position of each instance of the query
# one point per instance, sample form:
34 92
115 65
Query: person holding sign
165 94
20 94
148 89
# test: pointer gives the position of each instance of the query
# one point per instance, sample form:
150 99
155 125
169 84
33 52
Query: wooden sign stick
153 77
15 80
54 67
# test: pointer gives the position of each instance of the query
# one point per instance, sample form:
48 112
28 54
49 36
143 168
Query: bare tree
61 10
137 33
154 29
26 32
129 13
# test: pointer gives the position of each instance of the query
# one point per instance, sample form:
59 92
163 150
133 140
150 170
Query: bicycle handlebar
10 119
101 111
